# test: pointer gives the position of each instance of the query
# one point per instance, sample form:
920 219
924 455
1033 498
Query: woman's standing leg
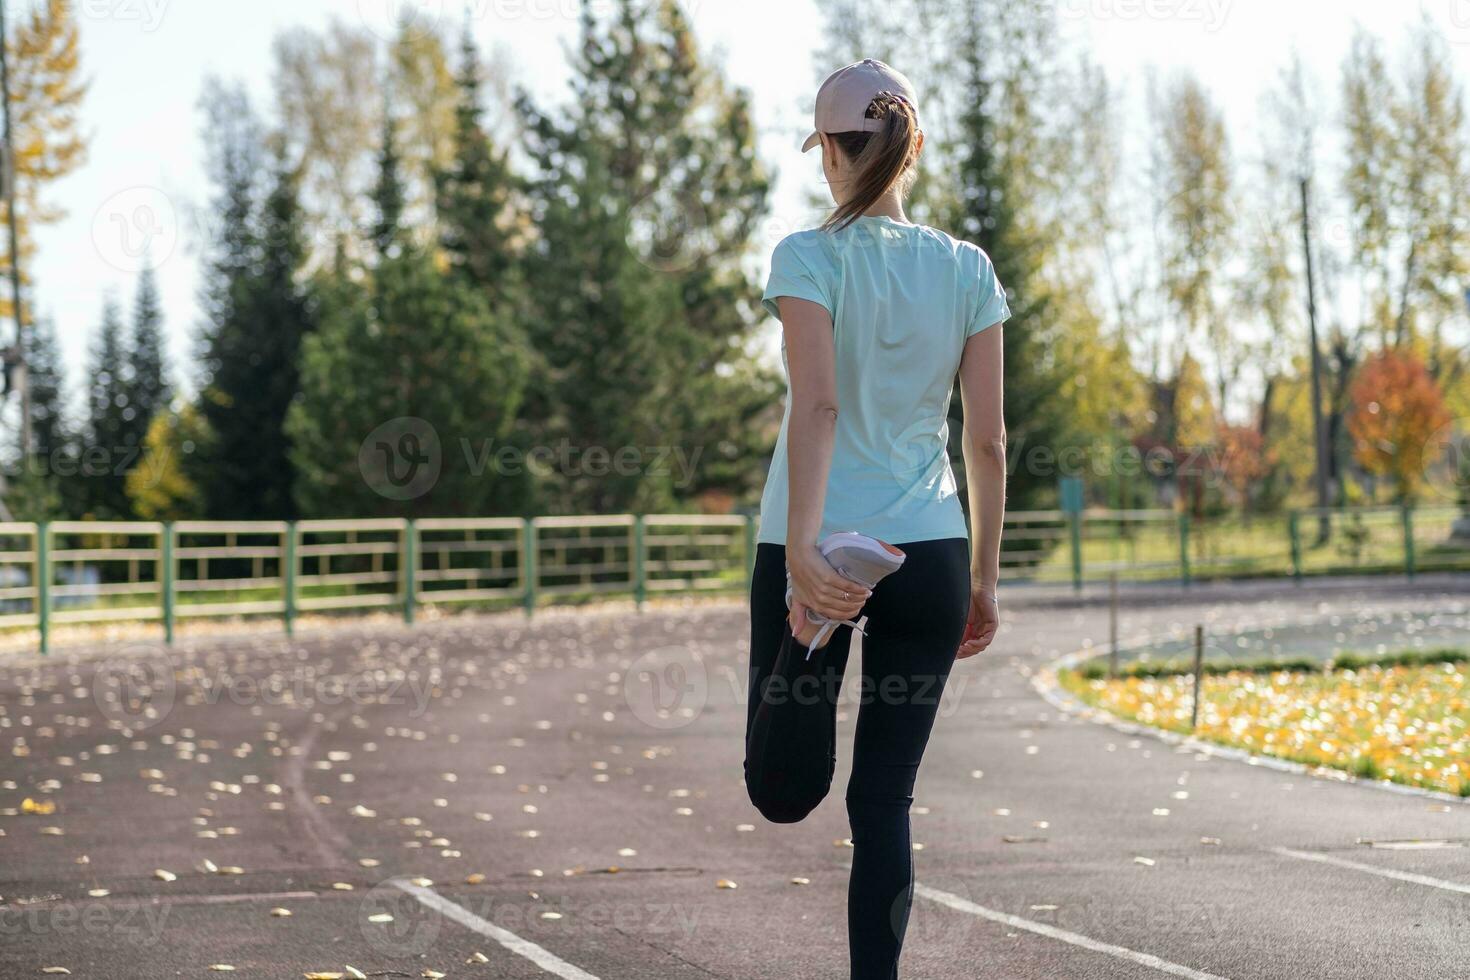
791 713
916 619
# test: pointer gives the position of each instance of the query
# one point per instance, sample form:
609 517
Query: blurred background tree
400 232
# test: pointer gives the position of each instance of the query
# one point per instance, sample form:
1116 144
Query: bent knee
779 807
777 811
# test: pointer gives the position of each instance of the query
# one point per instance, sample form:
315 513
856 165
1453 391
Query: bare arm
984 442
811 430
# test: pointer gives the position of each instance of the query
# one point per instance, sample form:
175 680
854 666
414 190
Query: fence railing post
288 578
410 569
1076 534
1199 667
1409 557
1294 529
43 584
168 578
1184 547
528 565
1113 626
640 571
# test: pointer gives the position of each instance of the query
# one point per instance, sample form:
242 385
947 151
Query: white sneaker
854 556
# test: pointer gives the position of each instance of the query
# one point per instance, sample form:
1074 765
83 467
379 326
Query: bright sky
147 60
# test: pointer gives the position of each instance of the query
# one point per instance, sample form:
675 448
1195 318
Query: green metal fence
93 572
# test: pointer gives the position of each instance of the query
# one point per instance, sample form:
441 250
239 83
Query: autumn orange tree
1396 409
1244 459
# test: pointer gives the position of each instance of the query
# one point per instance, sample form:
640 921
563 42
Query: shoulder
972 257
805 253
809 244
969 257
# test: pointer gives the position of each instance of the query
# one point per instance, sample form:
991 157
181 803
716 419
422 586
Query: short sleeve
991 307
796 271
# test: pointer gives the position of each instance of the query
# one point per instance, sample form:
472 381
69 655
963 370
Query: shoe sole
859 557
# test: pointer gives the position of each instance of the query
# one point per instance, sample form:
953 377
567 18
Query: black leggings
916 618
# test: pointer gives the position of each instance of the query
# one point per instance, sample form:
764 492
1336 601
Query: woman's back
903 299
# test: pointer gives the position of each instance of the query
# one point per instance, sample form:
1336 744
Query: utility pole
1319 431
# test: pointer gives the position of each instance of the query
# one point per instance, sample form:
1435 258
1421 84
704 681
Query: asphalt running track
453 799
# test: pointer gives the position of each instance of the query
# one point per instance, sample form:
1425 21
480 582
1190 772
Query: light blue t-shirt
903 298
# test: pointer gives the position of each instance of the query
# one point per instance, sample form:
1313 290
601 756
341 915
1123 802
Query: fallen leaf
42 809
163 875
726 883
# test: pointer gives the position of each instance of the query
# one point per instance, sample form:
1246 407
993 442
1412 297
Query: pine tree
388 196
417 372
474 193
46 377
260 311
35 490
105 455
988 215
146 380
650 190
283 313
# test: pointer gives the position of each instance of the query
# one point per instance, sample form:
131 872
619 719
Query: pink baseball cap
843 99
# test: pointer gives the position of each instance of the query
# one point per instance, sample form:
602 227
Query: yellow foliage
46 90
159 486
1405 724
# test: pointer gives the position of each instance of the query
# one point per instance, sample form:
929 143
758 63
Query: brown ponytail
879 159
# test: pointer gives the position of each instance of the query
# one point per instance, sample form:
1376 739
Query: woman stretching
860 514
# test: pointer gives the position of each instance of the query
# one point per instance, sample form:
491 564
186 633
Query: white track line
1076 939
521 947
1409 876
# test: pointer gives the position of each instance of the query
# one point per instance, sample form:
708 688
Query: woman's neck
887 206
